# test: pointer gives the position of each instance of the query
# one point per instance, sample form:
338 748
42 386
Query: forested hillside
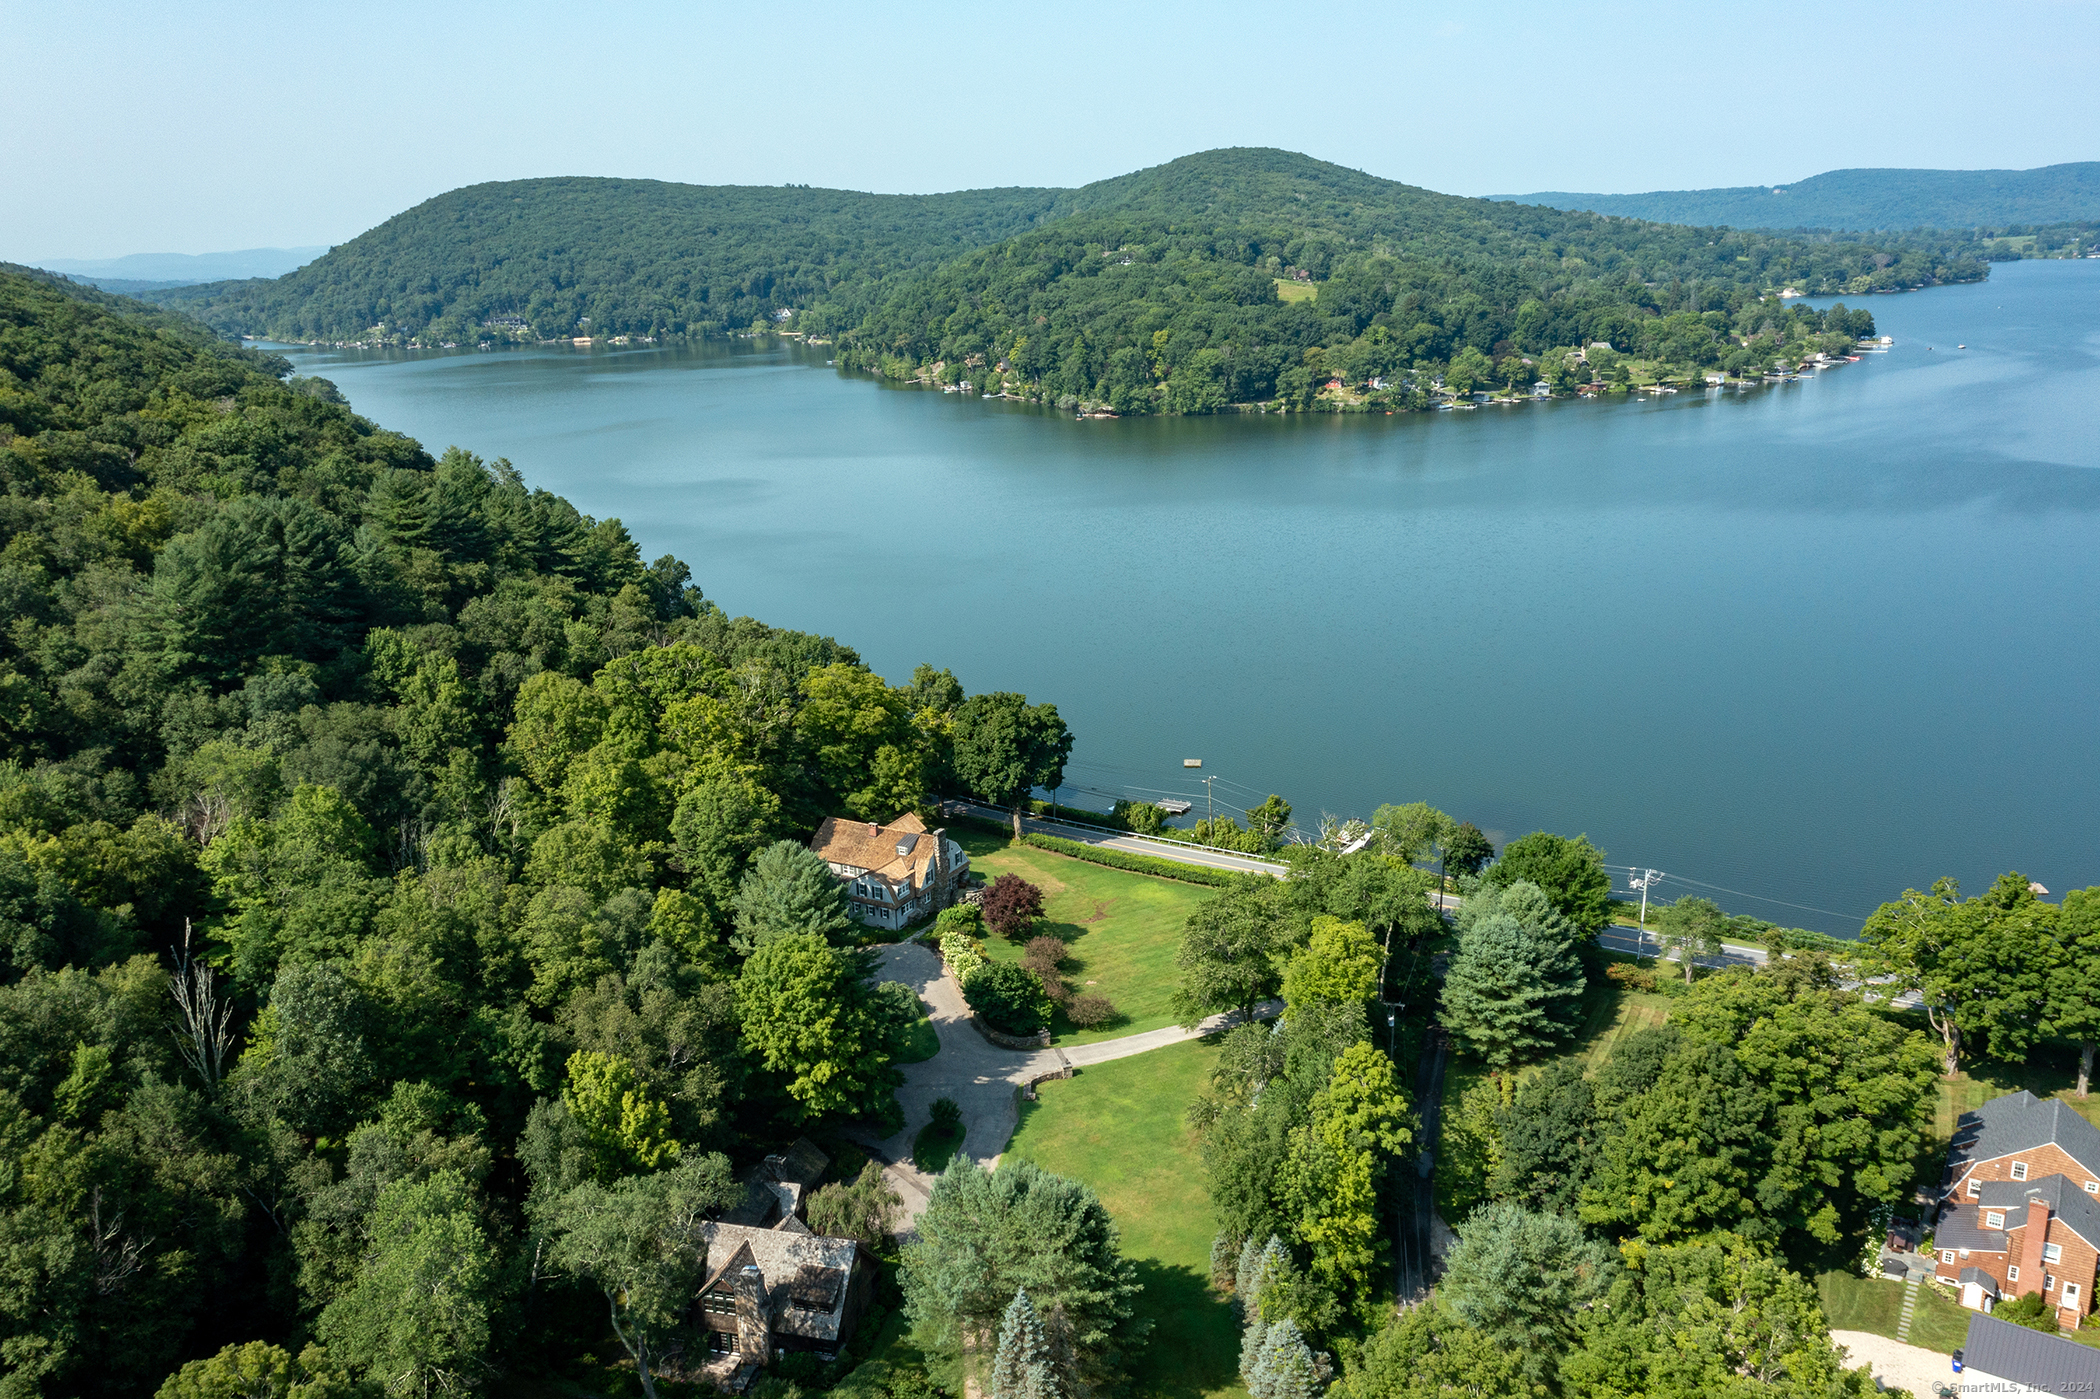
396 875
1154 291
1865 199
578 256
1163 296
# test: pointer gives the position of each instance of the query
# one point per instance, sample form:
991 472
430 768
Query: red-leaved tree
1011 906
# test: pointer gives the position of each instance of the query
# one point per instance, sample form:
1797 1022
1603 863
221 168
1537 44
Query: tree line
406 921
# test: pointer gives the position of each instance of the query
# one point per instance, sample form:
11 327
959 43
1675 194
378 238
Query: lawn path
983 1079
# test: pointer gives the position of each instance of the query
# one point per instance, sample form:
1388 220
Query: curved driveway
983 1079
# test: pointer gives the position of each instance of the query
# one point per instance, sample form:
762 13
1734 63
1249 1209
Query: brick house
2020 1206
895 874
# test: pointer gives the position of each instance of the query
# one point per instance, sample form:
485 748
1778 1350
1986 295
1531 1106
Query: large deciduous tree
2074 983
1232 952
814 1021
1982 966
1005 748
1570 871
639 1242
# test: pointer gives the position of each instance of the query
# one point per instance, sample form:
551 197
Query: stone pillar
754 1332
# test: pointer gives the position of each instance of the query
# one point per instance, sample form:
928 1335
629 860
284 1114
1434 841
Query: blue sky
208 126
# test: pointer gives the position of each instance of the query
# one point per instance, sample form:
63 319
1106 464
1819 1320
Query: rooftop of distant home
2016 1122
902 852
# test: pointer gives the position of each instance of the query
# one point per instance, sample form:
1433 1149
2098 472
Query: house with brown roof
895 874
772 1283
2020 1206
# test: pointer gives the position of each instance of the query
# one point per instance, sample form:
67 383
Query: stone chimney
754 1332
937 873
2033 1271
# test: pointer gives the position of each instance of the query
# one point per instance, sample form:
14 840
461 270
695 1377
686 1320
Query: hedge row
1136 864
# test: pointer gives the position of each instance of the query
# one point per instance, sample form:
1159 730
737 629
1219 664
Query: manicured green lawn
1122 1128
1122 930
1875 1305
934 1146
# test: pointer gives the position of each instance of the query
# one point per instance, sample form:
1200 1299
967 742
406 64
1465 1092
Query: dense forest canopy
581 256
1211 233
472 841
1865 199
1164 297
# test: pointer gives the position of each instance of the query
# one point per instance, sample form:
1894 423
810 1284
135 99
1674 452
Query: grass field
1289 289
2051 1071
1122 928
1121 1127
1875 1305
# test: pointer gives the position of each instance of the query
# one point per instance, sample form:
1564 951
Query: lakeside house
2020 1206
895 874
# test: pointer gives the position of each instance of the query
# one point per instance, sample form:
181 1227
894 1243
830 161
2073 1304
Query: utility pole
1209 814
1648 877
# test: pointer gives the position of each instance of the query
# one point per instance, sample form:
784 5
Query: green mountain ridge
575 256
1864 199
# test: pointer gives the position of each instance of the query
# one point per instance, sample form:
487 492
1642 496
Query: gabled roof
2041 1362
791 1262
863 845
2065 1198
1980 1278
2020 1122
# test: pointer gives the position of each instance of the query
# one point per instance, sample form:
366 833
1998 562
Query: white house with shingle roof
895 874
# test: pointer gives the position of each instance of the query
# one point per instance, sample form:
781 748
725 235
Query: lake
1809 644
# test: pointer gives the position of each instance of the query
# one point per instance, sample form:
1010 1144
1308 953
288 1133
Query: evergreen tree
1022 1367
789 889
1497 1001
1285 1368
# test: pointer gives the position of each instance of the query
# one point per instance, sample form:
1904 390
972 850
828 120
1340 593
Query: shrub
1048 951
1090 1010
1142 817
962 954
947 1113
1630 976
1009 997
963 919
1011 906
1136 864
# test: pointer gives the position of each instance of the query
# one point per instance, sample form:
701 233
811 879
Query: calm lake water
1814 643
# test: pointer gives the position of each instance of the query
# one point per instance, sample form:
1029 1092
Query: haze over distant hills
139 271
1864 199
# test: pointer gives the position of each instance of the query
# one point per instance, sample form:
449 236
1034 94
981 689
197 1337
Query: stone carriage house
773 1285
2020 1206
895 874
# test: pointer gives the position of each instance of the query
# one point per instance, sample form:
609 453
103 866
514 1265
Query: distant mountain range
146 271
1864 199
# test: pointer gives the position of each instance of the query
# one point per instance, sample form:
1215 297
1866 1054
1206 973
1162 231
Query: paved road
1136 845
984 1079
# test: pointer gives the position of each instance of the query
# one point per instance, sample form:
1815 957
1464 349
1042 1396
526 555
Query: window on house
1947 1256
2048 1284
2092 1187
2019 1170
1975 1187
2052 1253
1994 1219
2012 1272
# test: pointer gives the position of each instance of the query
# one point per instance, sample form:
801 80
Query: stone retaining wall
1039 1040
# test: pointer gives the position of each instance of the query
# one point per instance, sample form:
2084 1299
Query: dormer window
1994 1219
2019 1170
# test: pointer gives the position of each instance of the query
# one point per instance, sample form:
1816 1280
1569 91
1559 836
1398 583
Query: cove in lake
1814 642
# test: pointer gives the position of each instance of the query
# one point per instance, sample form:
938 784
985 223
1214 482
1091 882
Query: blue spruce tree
1022 1367
1285 1368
